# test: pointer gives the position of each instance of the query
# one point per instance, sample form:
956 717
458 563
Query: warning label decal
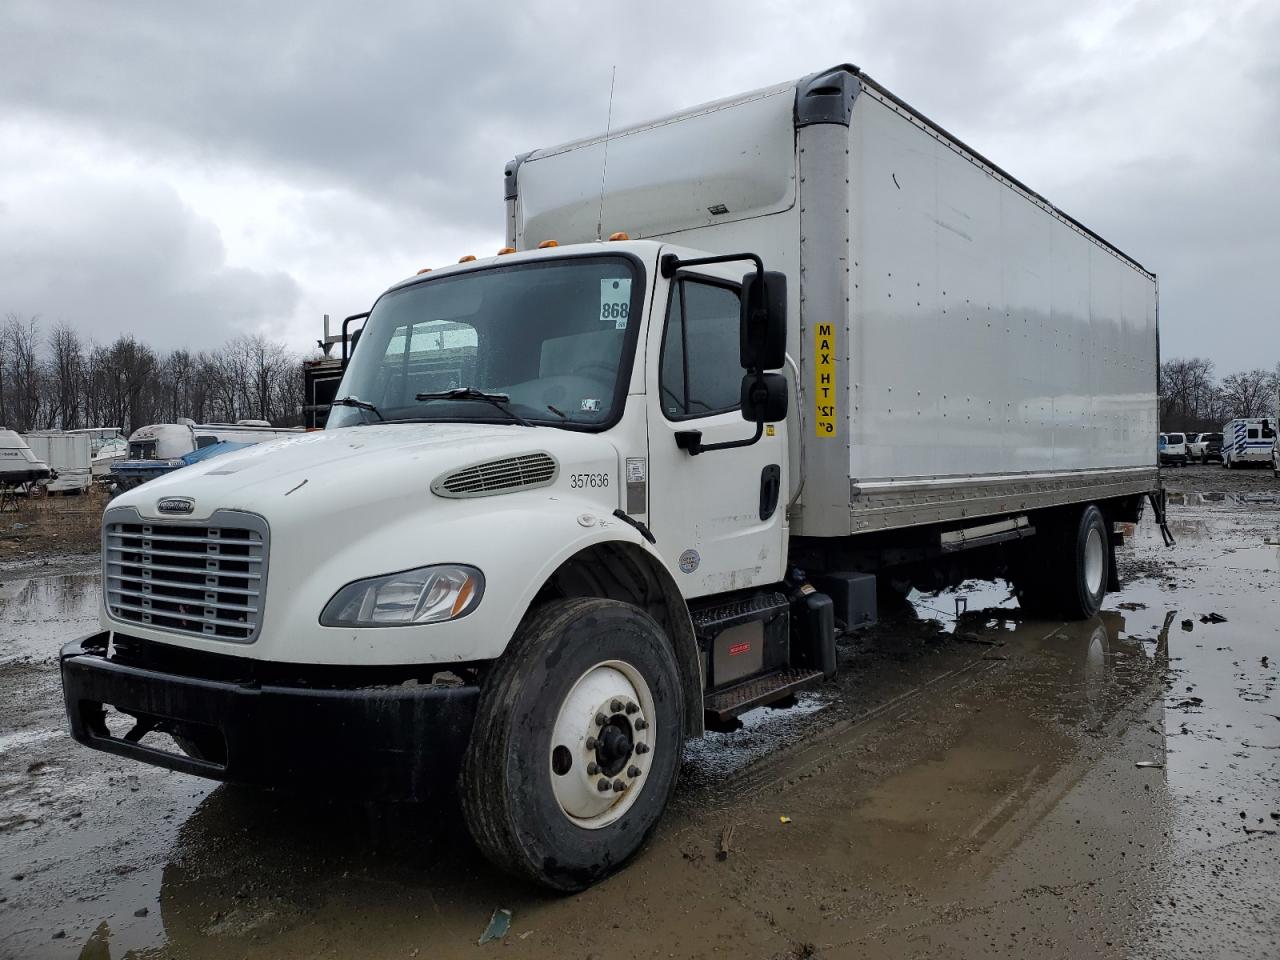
824 379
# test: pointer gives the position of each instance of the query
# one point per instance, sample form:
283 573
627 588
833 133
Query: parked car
1173 449
1203 447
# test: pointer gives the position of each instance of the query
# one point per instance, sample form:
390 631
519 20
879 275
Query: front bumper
391 741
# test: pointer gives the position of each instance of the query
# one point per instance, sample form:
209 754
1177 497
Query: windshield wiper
359 405
471 393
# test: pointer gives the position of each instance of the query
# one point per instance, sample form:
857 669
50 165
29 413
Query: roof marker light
467 259
505 250
422 271
620 235
548 243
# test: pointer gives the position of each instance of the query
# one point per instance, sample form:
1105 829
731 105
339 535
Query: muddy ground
981 787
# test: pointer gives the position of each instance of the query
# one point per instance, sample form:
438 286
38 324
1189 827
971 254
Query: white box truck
1248 440
577 500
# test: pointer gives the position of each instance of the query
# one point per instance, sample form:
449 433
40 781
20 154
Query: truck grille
498 476
204 579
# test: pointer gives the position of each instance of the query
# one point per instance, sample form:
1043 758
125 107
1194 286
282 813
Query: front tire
577 743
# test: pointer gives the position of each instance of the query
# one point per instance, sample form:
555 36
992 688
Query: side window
700 373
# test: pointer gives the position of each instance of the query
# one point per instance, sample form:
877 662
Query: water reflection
39 614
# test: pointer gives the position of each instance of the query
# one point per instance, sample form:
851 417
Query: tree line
60 380
1193 399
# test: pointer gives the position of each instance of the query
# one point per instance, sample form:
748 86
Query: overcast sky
190 171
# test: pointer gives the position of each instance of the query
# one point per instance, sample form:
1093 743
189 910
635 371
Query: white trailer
577 500
68 454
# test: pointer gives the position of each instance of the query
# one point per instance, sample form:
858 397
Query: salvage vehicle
577 501
1247 440
1173 449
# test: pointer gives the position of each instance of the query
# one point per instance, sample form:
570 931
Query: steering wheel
604 372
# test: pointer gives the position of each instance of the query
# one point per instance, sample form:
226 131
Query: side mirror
764 321
764 397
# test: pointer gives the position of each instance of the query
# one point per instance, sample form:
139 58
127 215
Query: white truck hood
355 465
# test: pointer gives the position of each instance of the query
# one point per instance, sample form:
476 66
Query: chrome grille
498 476
203 579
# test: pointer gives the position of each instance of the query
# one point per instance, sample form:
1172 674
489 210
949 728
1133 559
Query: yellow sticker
824 379
769 430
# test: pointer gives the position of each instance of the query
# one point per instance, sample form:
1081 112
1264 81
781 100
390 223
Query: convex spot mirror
764 397
764 321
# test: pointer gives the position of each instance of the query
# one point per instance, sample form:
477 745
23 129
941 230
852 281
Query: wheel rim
1093 561
602 744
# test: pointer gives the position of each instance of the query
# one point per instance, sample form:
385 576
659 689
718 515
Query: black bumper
401 741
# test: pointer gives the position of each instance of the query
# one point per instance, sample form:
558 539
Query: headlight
425 595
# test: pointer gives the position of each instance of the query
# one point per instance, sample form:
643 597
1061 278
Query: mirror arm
346 339
691 440
670 263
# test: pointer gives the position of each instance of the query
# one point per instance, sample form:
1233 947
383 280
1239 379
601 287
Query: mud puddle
971 785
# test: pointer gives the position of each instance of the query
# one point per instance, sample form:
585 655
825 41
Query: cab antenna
604 168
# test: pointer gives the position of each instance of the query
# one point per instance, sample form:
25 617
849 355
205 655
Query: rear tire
1065 576
530 784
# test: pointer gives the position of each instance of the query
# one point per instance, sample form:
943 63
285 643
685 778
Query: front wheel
577 743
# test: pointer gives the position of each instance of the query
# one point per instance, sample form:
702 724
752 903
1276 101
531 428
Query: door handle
770 487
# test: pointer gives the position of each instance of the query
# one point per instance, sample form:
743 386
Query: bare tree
1248 394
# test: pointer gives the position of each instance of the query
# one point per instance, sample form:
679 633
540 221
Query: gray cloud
1153 121
112 257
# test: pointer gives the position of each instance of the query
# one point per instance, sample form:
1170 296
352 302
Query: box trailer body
578 500
68 454
986 351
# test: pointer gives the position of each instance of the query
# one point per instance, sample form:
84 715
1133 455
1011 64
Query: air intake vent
498 476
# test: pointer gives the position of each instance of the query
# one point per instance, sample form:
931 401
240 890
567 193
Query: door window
700 372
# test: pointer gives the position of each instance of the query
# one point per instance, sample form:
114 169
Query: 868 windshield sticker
615 301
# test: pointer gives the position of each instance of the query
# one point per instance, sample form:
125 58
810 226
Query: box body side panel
989 337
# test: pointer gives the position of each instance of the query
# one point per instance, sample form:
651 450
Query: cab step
725 704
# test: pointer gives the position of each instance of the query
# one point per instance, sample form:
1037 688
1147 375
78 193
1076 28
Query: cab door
719 517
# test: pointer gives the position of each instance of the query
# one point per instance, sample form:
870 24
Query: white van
1248 440
1173 449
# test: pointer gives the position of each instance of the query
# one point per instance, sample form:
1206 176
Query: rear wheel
577 743
1065 575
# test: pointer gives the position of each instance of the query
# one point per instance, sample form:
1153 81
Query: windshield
555 336
1175 438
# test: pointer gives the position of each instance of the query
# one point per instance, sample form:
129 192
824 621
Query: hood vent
498 476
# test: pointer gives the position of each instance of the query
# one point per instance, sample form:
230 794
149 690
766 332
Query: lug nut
618 786
642 724
591 743
633 772
601 719
616 706
593 769
631 708
642 748
603 785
